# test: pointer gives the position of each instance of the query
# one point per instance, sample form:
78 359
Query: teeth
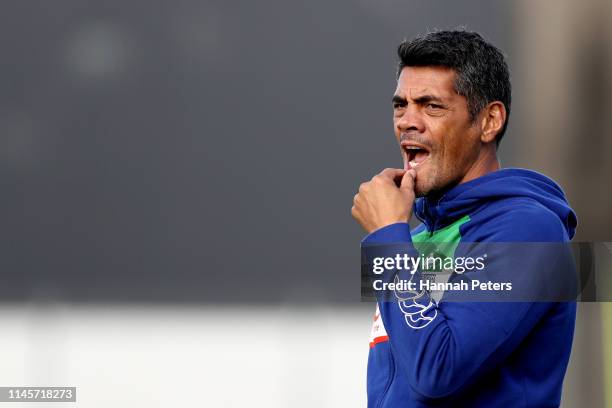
413 164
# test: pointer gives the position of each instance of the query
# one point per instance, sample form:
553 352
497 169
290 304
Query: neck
486 162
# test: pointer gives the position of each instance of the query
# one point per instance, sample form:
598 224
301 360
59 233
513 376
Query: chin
424 189
420 191
422 185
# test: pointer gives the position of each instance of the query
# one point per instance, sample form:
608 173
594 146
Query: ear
493 119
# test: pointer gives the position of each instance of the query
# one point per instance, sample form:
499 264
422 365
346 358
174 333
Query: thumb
408 180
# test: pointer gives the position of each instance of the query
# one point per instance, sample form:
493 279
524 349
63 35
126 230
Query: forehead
416 81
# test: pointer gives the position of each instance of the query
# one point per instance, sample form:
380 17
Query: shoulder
518 219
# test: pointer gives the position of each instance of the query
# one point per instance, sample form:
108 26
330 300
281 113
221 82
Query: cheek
451 157
396 132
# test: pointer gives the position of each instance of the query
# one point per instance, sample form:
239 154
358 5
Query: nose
410 120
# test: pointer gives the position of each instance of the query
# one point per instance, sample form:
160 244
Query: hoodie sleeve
444 347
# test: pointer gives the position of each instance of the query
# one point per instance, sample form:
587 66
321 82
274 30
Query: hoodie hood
465 198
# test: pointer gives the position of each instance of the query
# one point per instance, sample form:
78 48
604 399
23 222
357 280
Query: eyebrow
398 99
421 100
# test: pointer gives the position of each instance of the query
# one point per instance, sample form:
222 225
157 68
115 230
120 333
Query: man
450 111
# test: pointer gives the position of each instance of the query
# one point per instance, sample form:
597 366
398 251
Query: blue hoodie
475 354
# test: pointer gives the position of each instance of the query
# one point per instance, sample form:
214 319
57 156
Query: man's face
433 127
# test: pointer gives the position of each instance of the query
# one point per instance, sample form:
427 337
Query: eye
434 106
397 105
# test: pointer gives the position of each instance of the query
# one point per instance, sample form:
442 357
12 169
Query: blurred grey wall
196 151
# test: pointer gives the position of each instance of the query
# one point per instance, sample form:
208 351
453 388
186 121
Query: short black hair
481 69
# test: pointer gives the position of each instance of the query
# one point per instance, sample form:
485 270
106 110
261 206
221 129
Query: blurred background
177 182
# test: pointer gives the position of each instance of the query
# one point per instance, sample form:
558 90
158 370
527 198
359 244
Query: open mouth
415 154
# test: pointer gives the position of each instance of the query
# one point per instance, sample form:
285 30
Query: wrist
387 222
395 232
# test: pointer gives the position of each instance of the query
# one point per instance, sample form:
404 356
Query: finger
408 180
392 173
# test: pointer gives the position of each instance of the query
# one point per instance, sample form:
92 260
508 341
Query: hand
380 202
